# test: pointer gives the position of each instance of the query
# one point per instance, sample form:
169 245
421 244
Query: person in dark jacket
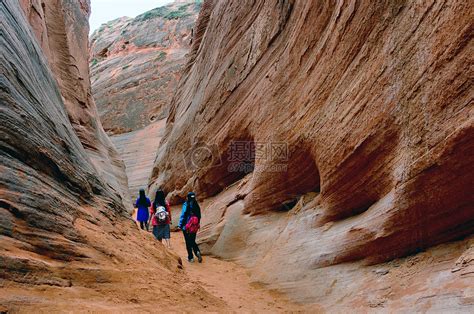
161 229
142 204
190 208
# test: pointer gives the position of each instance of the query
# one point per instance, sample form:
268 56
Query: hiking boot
198 254
191 260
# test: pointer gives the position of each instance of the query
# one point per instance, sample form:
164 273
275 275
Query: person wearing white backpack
160 218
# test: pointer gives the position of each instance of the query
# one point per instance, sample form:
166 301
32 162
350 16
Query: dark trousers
143 225
191 245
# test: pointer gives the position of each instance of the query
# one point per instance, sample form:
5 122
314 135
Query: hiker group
158 214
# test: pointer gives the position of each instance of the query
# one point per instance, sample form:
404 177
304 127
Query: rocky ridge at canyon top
135 67
330 144
136 64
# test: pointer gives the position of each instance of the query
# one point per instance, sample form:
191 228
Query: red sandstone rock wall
136 64
64 39
66 240
373 100
57 163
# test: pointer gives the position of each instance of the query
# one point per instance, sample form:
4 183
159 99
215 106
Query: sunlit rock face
372 102
57 163
137 62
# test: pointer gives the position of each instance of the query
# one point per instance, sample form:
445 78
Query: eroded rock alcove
374 102
367 206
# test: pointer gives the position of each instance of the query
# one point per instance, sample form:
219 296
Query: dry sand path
232 284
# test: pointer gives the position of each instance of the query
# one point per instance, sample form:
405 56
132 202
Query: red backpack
192 226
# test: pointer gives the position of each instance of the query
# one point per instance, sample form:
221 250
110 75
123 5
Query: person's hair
159 199
142 199
192 204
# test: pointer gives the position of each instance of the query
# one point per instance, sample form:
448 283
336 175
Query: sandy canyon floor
129 271
231 283
134 285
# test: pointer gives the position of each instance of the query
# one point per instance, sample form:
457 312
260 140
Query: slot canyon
329 143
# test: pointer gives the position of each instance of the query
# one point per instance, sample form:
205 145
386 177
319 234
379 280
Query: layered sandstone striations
370 106
64 39
136 64
54 160
62 190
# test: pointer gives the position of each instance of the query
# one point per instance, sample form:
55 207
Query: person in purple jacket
142 204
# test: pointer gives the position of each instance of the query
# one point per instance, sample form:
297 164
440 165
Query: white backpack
161 214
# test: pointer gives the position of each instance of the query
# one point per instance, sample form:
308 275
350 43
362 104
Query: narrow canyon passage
329 145
227 281
138 151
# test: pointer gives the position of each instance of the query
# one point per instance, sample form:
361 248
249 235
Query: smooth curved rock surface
47 174
66 239
64 39
136 64
138 150
280 249
372 102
